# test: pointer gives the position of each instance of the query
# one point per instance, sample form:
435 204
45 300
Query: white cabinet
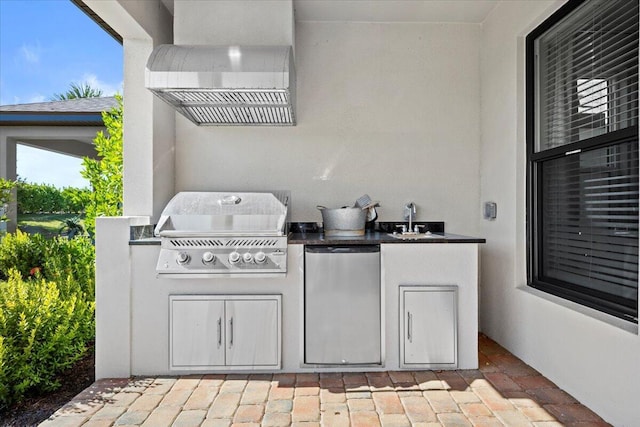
428 326
224 332
197 332
253 332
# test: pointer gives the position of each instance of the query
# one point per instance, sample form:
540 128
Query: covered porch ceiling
461 11
64 127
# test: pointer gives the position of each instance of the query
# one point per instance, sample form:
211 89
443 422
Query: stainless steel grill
213 234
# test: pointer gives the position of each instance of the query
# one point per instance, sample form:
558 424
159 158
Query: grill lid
203 214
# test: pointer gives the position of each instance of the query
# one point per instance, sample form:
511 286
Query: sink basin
415 236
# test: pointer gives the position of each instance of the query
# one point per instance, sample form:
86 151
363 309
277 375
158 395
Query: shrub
71 264
36 198
63 261
45 198
22 252
5 392
105 174
72 227
41 334
46 310
75 199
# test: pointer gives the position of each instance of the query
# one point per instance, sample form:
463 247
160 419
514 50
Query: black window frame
565 290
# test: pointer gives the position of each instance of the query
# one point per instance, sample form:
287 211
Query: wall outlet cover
490 211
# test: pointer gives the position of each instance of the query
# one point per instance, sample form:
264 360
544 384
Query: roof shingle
80 105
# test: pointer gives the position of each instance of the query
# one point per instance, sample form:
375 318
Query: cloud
31 53
108 89
37 98
45 167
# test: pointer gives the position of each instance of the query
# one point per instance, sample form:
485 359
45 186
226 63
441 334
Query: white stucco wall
432 113
148 124
391 110
593 357
233 22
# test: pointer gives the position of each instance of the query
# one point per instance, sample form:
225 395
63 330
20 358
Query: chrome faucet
410 214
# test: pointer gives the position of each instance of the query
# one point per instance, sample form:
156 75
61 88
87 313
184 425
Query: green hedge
45 198
23 252
46 311
42 333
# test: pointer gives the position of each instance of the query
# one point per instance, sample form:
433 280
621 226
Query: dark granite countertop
311 234
379 232
142 235
375 237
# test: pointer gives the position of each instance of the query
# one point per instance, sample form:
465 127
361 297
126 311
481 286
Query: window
582 154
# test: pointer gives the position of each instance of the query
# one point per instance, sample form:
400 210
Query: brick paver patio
504 391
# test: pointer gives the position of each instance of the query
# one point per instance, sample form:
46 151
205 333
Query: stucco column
148 147
149 134
8 171
149 123
113 296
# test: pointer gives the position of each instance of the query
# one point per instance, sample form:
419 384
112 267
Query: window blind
590 221
587 74
582 121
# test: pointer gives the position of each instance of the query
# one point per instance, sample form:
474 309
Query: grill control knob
183 258
208 258
234 257
247 257
260 257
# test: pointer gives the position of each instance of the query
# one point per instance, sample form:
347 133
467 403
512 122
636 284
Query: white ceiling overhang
458 11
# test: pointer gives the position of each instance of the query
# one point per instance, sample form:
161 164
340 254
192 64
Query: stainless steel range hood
226 85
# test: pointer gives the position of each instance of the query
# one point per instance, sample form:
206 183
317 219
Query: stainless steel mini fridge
342 305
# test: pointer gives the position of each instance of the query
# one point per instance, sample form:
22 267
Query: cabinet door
197 333
253 332
429 326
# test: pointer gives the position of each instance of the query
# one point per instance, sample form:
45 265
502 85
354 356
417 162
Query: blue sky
45 45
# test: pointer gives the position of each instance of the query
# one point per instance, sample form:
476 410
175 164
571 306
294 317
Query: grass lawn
49 225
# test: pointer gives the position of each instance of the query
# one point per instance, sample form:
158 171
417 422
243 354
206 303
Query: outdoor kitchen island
245 324
429 296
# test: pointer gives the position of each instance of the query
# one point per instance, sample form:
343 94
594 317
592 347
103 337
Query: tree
78 90
105 173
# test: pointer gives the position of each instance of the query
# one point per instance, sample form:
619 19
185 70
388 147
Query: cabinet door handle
231 332
409 326
219 332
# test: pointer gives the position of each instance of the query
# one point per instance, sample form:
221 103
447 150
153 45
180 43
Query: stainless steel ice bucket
343 221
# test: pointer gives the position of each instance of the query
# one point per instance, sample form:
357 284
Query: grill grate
252 242
183 243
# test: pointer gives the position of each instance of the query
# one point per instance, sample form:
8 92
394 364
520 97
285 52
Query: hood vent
236 85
